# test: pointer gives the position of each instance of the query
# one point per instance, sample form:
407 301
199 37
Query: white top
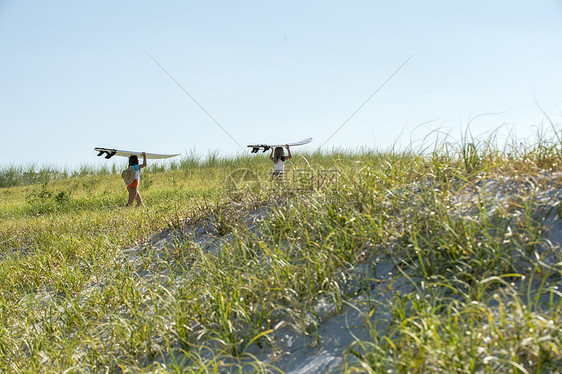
279 166
137 172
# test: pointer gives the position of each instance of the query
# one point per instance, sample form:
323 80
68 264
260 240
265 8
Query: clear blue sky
75 75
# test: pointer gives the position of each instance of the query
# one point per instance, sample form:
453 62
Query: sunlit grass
221 258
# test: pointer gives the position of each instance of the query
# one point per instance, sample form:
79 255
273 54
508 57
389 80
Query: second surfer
278 157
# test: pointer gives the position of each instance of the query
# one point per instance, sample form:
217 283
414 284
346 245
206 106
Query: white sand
375 282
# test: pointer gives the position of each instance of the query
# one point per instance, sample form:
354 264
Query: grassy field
222 263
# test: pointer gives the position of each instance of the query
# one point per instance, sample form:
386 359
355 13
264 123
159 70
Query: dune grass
192 282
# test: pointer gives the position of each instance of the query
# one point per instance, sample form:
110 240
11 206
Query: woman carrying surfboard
133 187
278 157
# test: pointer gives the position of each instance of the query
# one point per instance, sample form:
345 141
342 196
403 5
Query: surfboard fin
257 147
108 154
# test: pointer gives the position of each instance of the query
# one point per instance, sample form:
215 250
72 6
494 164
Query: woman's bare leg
138 198
132 195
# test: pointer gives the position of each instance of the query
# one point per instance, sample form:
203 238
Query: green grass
189 284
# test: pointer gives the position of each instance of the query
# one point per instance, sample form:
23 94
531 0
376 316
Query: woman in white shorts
278 157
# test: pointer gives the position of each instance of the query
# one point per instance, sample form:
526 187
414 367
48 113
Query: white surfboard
265 147
110 152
